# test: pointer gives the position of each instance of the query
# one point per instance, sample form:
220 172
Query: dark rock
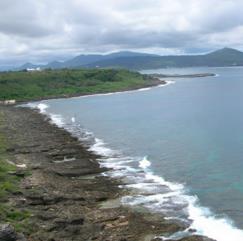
10 149
45 216
21 237
70 221
7 233
18 173
78 172
77 221
192 230
196 238
43 198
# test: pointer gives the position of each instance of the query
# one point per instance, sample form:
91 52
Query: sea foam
144 163
42 107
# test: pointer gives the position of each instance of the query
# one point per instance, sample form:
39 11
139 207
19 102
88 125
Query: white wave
157 179
144 89
144 163
204 221
168 82
57 120
99 148
42 107
73 119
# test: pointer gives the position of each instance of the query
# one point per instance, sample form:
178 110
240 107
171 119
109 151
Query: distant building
33 69
7 102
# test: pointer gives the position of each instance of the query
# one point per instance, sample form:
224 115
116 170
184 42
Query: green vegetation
9 185
24 85
7 182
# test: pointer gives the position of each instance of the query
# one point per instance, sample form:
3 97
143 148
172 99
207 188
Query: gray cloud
42 30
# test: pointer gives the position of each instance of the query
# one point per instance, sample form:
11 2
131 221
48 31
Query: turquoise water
191 132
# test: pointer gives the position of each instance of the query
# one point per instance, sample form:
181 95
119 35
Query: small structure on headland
33 69
7 102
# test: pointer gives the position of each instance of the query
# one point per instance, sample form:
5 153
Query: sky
40 31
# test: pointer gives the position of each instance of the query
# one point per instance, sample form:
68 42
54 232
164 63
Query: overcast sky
45 30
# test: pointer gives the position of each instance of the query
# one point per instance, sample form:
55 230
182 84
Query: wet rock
70 221
7 233
195 238
43 198
18 173
45 216
21 237
78 172
191 230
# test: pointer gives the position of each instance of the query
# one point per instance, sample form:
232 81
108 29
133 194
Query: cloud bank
41 30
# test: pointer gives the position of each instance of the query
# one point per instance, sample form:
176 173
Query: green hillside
24 85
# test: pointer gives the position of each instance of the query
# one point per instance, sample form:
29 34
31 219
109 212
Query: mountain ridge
135 60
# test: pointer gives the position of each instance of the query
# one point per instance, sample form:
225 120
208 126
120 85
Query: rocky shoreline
65 193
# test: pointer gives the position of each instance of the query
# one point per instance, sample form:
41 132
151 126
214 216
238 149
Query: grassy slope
51 83
9 184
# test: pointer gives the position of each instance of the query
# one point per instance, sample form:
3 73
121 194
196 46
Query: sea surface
181 143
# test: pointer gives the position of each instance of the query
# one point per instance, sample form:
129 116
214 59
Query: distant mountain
29 66
226 56
225 52
222 57
133 60
54 65
83 60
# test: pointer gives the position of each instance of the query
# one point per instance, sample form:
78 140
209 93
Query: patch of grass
11 214
18 218
9 184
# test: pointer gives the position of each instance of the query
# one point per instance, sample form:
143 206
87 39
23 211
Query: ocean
180 146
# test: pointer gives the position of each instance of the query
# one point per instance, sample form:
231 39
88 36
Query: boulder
7 233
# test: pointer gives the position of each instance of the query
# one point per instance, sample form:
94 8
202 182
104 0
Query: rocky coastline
65 193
